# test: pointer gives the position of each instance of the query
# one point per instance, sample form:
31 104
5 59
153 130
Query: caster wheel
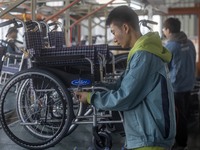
105 141
110 127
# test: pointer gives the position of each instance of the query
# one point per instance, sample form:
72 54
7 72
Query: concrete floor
81 139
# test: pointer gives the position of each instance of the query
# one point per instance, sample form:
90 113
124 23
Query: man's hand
26 53
82 96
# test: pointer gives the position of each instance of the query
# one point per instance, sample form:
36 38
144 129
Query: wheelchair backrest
57 39
2 52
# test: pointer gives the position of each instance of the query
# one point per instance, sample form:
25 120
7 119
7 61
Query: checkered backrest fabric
57 39
34 40
2 53
87 51
103 50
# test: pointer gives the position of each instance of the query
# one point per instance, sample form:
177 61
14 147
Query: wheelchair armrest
14 56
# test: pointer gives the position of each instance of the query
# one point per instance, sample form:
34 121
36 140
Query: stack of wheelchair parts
45 108
11 62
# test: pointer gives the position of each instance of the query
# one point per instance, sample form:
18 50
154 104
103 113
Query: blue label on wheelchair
81 82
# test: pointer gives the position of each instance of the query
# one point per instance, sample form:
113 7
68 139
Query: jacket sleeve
132 89
112 86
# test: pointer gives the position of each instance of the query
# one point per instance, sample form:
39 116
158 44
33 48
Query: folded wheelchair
41 98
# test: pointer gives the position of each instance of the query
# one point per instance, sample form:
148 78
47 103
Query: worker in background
143 93
182 70
11 38
12 48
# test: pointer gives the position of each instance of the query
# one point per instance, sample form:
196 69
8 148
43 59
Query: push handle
6 23
148 21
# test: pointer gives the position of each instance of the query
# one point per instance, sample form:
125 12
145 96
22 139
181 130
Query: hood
151 43
180 37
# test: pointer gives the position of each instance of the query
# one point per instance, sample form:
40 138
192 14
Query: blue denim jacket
144 94
183 64
147 102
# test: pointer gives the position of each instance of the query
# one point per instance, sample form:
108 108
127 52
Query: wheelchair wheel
41 109
80 110
115 127
104 142
23 92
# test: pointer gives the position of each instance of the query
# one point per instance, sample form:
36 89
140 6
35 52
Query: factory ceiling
79 8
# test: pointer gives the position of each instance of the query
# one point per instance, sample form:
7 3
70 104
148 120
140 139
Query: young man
182 70
143 92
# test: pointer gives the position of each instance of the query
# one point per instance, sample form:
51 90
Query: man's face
13 35
120 36
166 32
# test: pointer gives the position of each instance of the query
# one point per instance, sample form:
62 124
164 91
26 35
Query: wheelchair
44 106
10 62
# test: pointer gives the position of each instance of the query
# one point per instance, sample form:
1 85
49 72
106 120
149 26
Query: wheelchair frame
45 106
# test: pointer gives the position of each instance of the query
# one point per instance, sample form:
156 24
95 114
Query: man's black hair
173 24
123 14
11 30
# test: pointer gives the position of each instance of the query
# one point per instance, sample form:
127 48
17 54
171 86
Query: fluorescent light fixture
106 1
15 13
55 3
136 6
133 4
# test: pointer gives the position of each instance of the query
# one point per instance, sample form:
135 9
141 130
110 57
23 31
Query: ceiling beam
62 10
11 7
183 11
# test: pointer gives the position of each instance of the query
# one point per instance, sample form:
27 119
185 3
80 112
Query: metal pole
8 14
90 27
61 11
33 9
96 10
86 16
67 23
106 30
11 7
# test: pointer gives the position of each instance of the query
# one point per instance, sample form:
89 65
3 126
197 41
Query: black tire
115 127
37 112
79 110
23 92
105 141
